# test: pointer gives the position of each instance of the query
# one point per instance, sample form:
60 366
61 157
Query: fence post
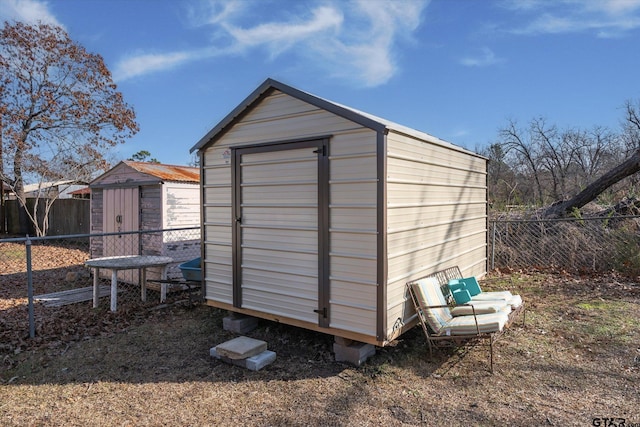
32 325
493 246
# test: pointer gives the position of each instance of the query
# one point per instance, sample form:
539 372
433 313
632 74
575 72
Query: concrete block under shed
239 323
253 363
241 348
355 353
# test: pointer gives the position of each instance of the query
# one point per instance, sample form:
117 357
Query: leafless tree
625 169
60 110
525 155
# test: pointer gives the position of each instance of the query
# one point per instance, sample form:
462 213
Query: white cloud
215 11
484 59
352 40
604 18
29 11
147 63
613 7
363 52
281 36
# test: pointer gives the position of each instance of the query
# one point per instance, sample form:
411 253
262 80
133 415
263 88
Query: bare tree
60 110
627 168
524 149
500 177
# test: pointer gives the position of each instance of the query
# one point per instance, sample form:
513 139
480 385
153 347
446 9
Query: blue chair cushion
471 285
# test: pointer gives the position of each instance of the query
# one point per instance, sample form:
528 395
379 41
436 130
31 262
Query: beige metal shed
316 214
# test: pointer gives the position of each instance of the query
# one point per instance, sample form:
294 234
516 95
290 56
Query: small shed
316 214
135 196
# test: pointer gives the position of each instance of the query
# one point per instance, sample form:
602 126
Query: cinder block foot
253 363
239 323
353 352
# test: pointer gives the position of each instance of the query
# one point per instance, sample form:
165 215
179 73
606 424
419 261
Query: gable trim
264 90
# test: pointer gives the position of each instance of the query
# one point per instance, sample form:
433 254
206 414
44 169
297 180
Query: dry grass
577 358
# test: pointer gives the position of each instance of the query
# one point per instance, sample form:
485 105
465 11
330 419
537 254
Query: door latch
322 311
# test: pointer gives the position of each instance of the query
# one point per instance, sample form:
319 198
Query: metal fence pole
32 325
493 246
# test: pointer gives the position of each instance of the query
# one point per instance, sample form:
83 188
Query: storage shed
316 214
135 196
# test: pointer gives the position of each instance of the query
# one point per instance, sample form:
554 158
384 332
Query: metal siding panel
301 126
412 218
354 294
220 253
412 149
218 234
216 175
411 239
292 306
354 232
356 168
436 214
217 215
354 194
281 261
292 239
292 194
281 282
360 219
353 244
354 143
354 319
353 269
402 194
216 156
279 105
290 218
217 195
441 253
216 291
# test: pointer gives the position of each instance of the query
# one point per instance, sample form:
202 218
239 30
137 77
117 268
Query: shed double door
281 228
121 213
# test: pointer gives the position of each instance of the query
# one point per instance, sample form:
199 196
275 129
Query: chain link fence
576 245
47 291
54 266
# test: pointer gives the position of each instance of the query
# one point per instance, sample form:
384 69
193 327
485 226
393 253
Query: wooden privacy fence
67 216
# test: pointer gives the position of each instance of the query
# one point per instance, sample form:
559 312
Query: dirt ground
575 362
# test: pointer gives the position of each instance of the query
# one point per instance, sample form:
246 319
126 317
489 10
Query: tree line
541 165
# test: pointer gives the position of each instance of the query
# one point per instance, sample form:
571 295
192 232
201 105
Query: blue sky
457 69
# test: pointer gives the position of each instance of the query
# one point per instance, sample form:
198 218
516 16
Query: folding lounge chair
468 291
441 327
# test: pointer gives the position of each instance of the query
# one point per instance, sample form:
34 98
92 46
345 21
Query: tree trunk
593 190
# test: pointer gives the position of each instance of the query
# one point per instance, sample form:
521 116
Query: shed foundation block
353 352
253 363
239 323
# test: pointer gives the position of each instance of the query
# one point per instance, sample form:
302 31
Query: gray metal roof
370 121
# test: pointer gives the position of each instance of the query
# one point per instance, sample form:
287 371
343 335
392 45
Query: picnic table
127 262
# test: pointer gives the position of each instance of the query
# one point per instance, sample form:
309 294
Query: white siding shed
134 196
316 214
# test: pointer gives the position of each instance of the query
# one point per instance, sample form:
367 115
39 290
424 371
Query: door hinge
322 150
322 311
